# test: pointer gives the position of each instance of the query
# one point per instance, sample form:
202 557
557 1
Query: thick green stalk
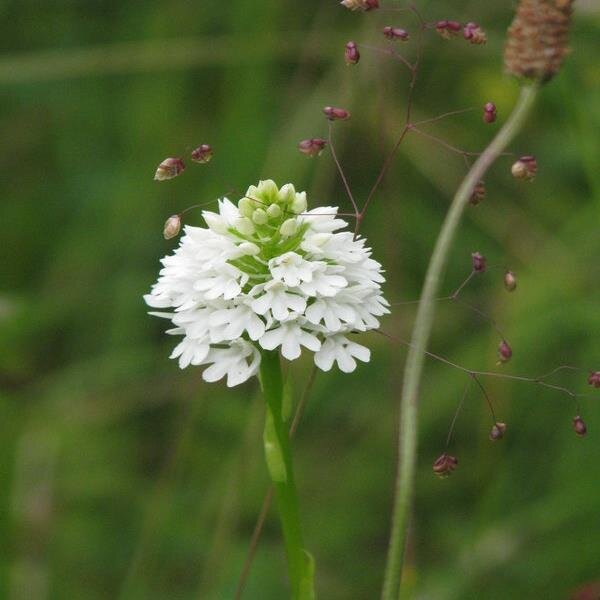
407 443
279 462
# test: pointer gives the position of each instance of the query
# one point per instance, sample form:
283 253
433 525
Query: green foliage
124 477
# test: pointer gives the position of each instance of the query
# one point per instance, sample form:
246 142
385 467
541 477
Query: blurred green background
124 477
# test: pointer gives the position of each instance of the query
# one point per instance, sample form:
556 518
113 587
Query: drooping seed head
336 114
351 53
479 262
489 112
510 281
579 426
360 4
504 352
169 168
474 34
312 147
497 432
172 227
478 194
202 154
441 27
594 379
524 168
444 465
395 33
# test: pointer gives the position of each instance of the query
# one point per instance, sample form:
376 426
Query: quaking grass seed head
510 281
444 465
169 168
351 53
312 147
579 426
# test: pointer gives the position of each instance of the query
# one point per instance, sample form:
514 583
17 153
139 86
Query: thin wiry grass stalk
407 444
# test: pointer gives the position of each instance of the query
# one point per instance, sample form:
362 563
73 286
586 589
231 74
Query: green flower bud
246 207
267 191
299 203
288 227
249 249
259 216
274 211
245 226
287 193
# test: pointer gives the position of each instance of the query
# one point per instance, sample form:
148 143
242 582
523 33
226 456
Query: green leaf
307 583
273 453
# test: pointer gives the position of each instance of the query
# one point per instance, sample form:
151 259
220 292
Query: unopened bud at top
172 227
478 262
168 169
474 34
351 54
312 147
524 168
489 112
497 432
594 379
504 352
395 33
444 465
336 114
510 281
478 194
579 426
202 154
360 4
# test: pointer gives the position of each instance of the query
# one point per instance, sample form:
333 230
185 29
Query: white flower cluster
267 274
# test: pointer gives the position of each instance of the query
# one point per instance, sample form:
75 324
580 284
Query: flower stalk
407 444
279 462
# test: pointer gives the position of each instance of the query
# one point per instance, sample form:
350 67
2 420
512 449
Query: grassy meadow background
122 476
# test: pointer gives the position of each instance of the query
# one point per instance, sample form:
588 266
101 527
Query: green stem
279 460
407 443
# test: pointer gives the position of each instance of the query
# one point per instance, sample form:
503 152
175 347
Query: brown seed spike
537 39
